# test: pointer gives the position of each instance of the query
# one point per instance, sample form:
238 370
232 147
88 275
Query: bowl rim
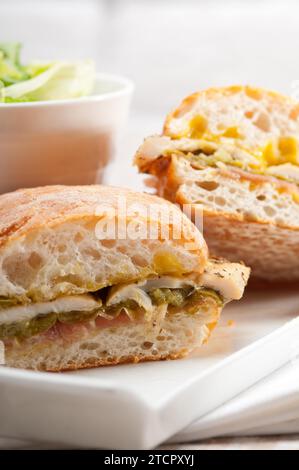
126 88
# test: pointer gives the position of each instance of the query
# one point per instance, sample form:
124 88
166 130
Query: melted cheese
138 291
69 303
229 279
167 282
286 171
282 150
121 293
277 151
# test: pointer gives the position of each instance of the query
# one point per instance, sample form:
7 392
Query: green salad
39 81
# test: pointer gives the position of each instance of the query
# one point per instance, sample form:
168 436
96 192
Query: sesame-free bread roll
75 294
232 154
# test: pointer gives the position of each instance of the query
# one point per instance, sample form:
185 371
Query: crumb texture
258 114
50 243
174 337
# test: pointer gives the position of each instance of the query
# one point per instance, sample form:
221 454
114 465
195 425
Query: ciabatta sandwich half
233 154
96 275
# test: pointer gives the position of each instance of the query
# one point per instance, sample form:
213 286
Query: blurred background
170 48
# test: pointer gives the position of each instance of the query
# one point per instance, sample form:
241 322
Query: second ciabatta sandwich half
96 275
233 154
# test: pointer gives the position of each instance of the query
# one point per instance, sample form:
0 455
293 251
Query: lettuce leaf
40 81
61 80
11 51
24 99
11 71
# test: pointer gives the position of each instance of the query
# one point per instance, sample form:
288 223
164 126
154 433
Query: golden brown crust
212 93
268 243
122 360
28 210
272 252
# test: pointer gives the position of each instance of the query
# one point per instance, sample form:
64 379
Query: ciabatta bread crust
246 216
50 249
257 112
49 244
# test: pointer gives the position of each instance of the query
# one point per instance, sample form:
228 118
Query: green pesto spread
25 329
174 297
5 302
187 298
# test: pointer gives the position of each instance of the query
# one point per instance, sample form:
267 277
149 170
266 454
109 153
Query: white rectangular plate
140 406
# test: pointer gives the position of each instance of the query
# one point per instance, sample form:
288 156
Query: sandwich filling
279 158
139 301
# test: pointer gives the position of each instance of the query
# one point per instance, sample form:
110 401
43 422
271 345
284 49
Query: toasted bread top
252 115
58 240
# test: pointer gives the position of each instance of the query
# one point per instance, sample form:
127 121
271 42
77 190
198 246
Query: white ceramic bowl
62 142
